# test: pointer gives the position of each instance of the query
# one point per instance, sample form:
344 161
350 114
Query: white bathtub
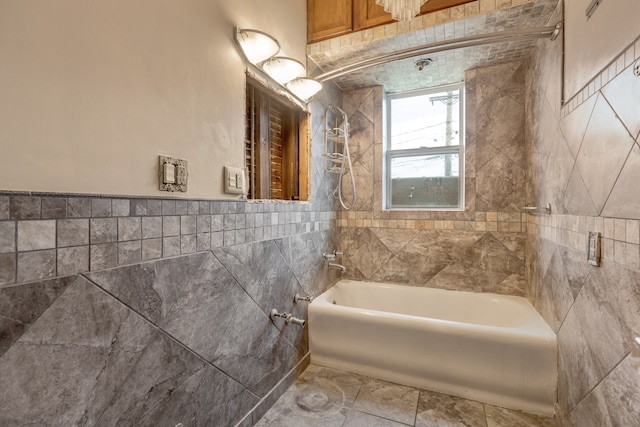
486 347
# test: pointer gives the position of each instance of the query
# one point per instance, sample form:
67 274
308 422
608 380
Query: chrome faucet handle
295 320
274 313
297 298
337 253
328 257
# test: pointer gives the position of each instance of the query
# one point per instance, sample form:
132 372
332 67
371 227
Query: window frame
389 154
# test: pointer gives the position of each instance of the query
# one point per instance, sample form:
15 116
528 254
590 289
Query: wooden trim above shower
332 18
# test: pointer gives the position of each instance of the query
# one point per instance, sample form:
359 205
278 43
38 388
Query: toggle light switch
169 173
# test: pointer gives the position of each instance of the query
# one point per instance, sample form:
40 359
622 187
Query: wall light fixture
260 50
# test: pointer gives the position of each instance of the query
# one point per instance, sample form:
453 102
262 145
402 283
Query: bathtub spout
334 266
295 320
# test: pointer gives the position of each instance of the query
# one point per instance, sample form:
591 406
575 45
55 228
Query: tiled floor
326 397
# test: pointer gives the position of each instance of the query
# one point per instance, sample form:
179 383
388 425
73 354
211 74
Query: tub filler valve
331 256
295 320
288 318
299 298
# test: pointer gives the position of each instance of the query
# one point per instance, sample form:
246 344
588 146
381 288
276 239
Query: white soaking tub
486 347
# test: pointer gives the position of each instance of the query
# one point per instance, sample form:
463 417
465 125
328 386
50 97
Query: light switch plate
234 182
172 174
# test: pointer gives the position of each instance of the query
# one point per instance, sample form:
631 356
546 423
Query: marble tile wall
479 249
145 311
584 159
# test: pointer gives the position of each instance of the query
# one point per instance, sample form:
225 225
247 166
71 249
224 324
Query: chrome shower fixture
288 318
331 256
422 63
298 298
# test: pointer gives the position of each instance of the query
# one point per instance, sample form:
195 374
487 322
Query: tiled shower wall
584 159
480 249
156 311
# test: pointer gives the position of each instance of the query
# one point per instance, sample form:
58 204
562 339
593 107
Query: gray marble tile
623 94
151 249
263 273
103 230
72 260
188 244
600 164
7 268
139 207
120 207
129 228
614 402
168 207
596 332
188 224
36 265
321 397
154 207
170 246
54 207
499 184
129 252
72 232
575 124
395 402
100 208
576 199
34 235
203 223
182 207
195 300
4 207
360 419
499 417
365 256
89 360
441 410
217 239
78 207
623 200
303 255
488 262
151 227
21 305
217 222
7 236
25 207
170 226
203 242
103 256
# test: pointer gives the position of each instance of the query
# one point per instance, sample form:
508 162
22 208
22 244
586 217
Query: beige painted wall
93 91
592 43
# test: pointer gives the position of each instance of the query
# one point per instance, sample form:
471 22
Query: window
276 146
424 157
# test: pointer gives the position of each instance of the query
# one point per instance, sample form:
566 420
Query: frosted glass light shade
283 69
256 45
402 10
304 87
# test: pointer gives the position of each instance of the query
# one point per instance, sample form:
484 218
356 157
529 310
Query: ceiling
447 67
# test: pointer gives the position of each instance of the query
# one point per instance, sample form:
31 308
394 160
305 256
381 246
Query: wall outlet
172 174
234 180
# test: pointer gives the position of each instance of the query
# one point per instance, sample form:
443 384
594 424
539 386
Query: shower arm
469 41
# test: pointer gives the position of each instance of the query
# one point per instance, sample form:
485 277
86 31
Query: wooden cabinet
367 14
332 18
328 18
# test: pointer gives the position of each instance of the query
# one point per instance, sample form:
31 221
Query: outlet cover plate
181 174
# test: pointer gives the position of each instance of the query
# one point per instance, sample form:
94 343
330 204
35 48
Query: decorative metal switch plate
172 174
